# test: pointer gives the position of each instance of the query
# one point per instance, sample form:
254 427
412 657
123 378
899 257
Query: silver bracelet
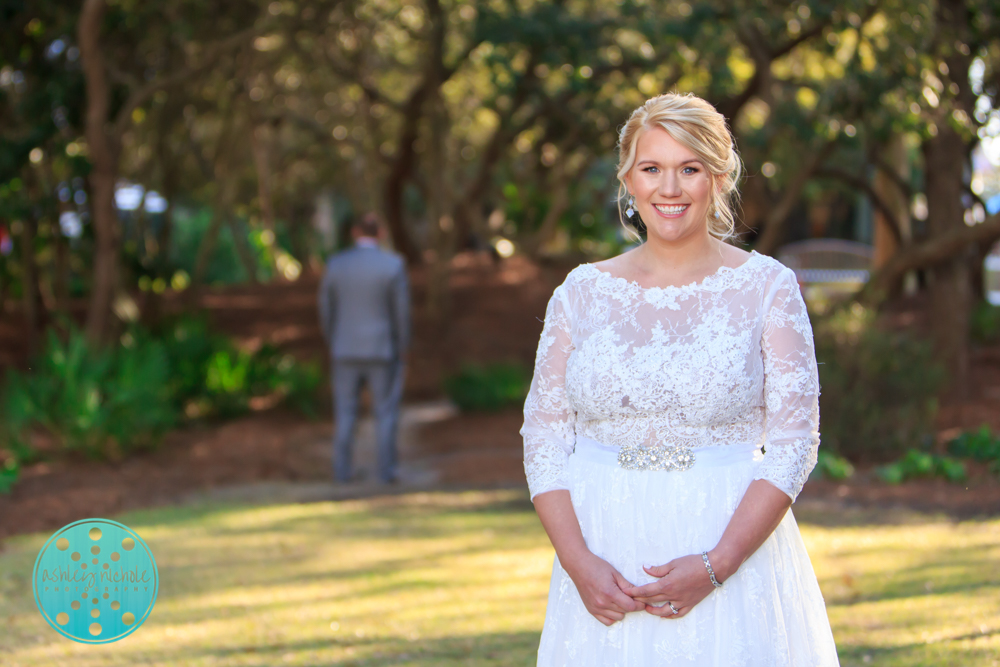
711 572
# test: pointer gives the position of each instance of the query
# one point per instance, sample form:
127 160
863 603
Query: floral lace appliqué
725 361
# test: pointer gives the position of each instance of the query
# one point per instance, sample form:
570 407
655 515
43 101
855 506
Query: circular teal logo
95 581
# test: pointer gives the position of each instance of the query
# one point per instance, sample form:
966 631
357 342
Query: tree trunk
469 221
398 176
439 216
61 269
439 205
946 161
243 249
949 287
104 161
61 260
4 285
161 243
207 246
773 234
225 193
220 209
260 144
892 234
563 175
558 204
29 285
886 242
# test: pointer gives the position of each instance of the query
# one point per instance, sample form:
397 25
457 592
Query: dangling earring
714 209
630 204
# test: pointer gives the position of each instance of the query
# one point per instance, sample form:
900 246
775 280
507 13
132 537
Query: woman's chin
665 232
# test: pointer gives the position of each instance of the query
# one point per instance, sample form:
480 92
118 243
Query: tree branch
506 129
212 53
775 222
861 184
887 169
976 198
355 76
928 253
804 36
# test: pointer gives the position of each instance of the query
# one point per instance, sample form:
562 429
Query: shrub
101 403
9 473
490 387
106 403
190 345
979 445
296 382
831 466
878 387
212 377
917 464
985 325
226 383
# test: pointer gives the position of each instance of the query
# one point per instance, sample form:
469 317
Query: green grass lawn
461 579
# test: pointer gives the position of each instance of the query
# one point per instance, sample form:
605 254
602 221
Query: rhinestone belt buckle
655 457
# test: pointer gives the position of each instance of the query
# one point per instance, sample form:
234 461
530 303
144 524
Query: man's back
364 305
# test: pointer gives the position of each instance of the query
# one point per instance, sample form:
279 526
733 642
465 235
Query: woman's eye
690 170
651 170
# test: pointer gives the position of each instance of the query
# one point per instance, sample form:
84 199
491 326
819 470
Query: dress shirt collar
366 242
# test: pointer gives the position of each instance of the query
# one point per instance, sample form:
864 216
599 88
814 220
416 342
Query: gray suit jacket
364 305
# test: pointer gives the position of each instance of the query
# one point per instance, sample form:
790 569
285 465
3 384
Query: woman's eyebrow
648 161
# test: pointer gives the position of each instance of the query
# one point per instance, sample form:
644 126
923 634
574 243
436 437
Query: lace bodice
725 361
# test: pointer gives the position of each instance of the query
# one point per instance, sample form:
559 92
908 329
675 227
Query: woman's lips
671 210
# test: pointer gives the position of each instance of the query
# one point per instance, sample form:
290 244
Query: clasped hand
608 596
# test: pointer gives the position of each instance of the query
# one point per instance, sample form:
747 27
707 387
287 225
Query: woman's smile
671 210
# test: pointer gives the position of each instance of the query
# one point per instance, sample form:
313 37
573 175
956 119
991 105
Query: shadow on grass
838 514
507 649
918 654
412 505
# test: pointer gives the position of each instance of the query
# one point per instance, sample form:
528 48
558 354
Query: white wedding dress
651 406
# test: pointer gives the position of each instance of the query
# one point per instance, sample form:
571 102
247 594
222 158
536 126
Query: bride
672 419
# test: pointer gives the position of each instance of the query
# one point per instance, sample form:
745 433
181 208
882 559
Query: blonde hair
694 123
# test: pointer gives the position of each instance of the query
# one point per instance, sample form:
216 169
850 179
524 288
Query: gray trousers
385 383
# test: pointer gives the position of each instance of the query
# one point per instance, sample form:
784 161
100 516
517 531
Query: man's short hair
368 225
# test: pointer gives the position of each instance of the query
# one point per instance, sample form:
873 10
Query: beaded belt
655 457
664 457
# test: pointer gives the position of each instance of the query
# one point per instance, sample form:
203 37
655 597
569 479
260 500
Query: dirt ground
466 450
496 313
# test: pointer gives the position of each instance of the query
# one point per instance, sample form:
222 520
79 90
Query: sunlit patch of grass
424 579
462 578
909 589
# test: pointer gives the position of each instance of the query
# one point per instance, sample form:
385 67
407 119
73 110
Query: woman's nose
669 185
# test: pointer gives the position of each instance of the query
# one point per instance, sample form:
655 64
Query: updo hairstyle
694 123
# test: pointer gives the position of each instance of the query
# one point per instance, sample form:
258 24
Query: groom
364 308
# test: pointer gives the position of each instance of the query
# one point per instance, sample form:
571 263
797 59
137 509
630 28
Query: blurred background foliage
488 388
155 148
879 387
116 400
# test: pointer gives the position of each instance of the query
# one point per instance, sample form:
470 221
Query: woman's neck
698 253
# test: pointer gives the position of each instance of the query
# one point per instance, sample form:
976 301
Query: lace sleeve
791 388
548 430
